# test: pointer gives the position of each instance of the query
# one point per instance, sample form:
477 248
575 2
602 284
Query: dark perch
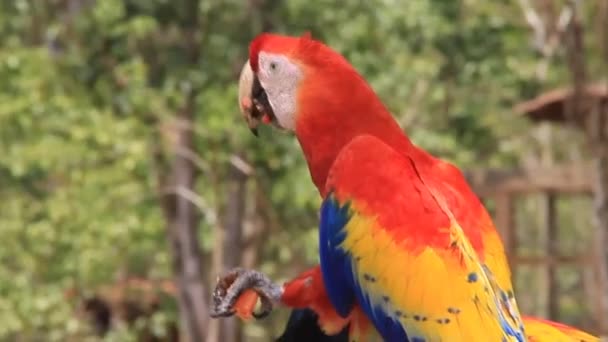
302 327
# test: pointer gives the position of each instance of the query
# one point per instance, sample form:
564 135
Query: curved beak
245 101
253 101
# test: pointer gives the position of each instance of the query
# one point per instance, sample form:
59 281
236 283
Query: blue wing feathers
335 265
339 276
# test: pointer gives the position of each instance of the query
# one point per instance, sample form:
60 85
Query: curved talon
266 308
232 287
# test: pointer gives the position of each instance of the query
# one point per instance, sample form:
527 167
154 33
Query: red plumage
334 106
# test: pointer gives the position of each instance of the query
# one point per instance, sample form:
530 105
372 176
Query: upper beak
245 102
253 101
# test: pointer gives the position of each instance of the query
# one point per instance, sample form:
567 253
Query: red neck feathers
335 104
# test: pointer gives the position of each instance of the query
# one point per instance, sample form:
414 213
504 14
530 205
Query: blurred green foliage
85 86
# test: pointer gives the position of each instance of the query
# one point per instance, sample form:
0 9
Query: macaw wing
475 221
389 242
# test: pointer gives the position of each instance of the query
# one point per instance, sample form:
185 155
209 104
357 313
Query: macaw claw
237 293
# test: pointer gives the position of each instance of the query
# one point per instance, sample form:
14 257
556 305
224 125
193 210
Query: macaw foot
237 293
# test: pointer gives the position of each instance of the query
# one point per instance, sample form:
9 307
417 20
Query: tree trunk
595 130
575 52
601 237
182 230
180 202
256 230
232 240
601 187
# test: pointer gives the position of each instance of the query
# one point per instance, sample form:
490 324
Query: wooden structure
585 106
551 106
503 187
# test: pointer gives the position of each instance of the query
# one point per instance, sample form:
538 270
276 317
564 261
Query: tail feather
540 330
302 326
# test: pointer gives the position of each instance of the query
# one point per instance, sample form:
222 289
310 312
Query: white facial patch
280 78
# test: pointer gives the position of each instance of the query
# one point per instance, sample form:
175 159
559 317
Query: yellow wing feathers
440 295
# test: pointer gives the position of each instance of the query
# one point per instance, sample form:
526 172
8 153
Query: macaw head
269 81
301 85
287 77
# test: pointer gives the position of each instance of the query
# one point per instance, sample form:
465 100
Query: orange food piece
245 304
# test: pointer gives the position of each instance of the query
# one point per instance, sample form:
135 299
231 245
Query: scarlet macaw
404 242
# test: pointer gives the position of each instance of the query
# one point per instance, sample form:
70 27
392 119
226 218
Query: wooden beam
552 248
566 179
533 260
505 223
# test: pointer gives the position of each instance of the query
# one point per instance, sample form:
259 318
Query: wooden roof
551 105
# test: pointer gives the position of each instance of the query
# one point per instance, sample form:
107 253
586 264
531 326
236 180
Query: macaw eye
274 66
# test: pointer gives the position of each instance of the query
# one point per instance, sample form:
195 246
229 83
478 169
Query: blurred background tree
125 162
